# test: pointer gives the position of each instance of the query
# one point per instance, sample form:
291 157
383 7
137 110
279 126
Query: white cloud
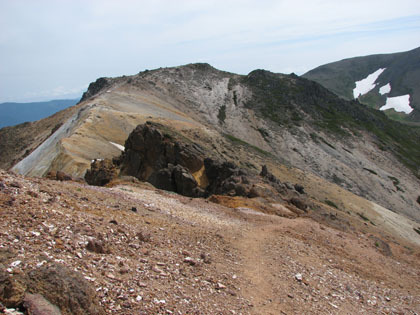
47 43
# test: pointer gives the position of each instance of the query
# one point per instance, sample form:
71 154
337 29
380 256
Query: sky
52 49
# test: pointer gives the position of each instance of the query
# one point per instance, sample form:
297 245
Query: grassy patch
264 133
330 203
370 171
222 114
246 144
396 183
327 143
361 215
314 137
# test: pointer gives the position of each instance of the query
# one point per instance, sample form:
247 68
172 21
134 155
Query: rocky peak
95 87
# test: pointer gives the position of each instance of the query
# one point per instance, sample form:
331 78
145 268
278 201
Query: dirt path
256 269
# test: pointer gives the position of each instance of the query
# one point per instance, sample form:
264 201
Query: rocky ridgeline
154 154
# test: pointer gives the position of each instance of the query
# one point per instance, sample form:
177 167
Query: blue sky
55 48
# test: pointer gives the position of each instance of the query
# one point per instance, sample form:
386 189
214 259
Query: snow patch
367 84
119 146
385 89
399 103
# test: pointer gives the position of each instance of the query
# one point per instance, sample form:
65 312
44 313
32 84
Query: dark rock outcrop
273 180
177 179
101 172
154 153
225 178
94 88
148 150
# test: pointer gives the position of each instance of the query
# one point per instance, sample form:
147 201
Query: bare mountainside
132 249
399 75
261 118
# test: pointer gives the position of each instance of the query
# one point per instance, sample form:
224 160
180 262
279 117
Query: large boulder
65 288
101 172
176 178
225 178
148 149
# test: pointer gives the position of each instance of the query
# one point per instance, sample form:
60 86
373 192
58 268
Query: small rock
134 209
220 286
387 299
15 184
206 258
298 277
36 304
157 270
124 270
143 236
190 261
186 253
299 188
139 298
113 222
96 246
15 263
290 296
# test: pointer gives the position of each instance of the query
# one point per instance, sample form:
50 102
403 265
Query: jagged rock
148 150
65 288
226 178
163 179
273 180
177 179
101 172
94 88
36 304
185 183
299 188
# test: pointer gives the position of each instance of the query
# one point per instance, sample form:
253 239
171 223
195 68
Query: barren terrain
168 254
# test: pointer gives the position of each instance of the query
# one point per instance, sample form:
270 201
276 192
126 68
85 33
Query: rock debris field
70 248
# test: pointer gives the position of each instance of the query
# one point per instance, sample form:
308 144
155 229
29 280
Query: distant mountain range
16 113
389 82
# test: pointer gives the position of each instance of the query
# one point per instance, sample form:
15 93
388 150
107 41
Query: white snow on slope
119 146
367 84
385 89
399 103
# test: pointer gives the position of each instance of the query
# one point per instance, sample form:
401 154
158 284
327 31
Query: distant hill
394 81
16 113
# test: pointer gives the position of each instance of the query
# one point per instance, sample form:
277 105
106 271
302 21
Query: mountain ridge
261 118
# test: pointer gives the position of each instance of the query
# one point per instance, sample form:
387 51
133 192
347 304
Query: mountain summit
389 82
